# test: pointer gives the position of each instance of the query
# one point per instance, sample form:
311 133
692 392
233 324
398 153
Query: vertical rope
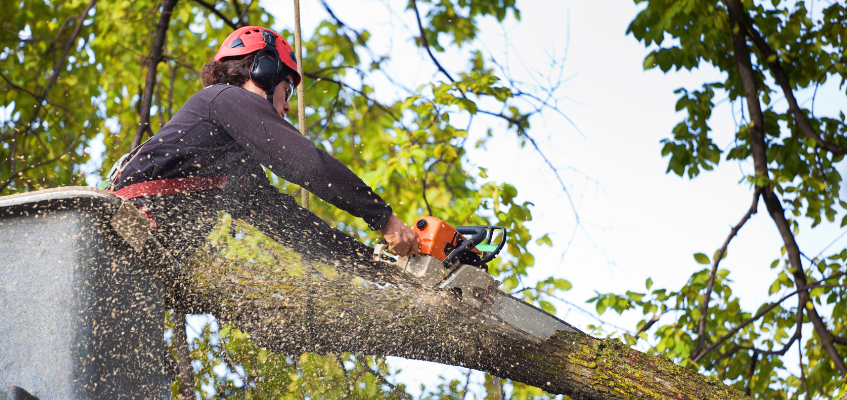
301 91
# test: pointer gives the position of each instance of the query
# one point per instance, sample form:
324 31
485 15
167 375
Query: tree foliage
56 119
768 51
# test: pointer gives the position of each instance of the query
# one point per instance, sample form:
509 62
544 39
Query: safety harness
159 187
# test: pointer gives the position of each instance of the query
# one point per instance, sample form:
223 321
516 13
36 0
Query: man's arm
276 144
255 126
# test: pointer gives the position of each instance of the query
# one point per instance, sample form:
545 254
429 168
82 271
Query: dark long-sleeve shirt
226 130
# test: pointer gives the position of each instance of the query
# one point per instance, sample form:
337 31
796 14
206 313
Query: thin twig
180 341
378 375
220 15
346 376
803 373
704 308
467 383
649 324
30 167
231 364
426 44
761 313
782 80
753 361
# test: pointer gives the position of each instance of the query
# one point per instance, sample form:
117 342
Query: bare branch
586 312
426 44
704 308
57 67
211 7
518 124
649 323
467 383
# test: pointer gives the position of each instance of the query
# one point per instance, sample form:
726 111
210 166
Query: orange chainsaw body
437 238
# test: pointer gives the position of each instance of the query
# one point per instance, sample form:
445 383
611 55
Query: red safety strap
172 186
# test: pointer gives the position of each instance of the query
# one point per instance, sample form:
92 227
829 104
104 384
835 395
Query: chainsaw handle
479 233
491 229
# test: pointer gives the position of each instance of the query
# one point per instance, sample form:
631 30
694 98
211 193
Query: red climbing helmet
249 39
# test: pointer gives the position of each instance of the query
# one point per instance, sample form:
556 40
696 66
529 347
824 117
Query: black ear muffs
267 69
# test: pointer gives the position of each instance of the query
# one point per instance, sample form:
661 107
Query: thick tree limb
760 163
704 308
153 61
356 305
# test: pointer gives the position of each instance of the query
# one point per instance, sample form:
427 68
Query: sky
636 221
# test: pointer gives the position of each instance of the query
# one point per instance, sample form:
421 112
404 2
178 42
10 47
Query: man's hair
231 70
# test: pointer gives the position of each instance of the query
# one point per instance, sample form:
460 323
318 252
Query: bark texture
337 300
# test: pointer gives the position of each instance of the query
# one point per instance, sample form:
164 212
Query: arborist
210 156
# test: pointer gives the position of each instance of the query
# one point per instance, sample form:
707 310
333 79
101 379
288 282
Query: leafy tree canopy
767 51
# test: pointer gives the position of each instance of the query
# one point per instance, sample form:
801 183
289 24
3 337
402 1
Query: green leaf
546 306
562 284
701 258
649 283
650 61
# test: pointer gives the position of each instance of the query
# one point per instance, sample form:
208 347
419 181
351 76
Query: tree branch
649 323
30 167
57 68
758 145
761 313
211 7
378 375
803 373
704 307
753 361
186 372
152 64
337 21
523 131
781 79
426 44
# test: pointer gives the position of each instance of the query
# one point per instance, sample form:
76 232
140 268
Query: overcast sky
638 221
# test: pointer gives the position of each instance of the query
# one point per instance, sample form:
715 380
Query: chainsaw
449 260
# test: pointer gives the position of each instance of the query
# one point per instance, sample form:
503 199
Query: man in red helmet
210 157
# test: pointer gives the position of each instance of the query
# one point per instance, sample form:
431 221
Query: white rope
301 92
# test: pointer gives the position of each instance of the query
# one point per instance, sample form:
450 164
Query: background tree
768 52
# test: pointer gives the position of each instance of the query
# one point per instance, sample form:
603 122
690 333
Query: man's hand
402 240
